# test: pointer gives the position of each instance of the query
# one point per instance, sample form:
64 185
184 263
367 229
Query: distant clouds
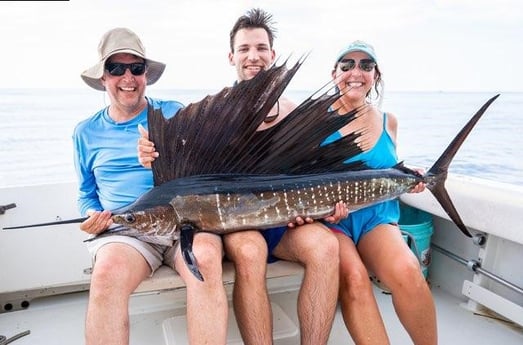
453 45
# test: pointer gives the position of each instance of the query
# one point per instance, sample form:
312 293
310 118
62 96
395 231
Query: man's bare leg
206 301
118 270
316 248
248 251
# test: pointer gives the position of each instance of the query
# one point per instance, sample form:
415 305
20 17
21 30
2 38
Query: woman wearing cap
110 177
370 237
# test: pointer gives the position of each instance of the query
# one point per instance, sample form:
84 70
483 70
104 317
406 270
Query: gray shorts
154 254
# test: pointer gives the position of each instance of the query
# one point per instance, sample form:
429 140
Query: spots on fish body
276 205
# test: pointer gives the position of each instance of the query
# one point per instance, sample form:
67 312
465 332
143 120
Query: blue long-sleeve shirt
106 160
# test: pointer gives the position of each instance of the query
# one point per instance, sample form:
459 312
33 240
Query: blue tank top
381 156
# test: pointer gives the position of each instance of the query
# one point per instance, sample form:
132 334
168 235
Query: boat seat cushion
166 278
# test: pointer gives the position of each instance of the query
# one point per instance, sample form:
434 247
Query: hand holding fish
420 187
300 221
146 151
341 211
97 222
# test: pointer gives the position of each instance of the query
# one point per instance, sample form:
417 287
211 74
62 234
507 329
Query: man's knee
113 276
208 252
323 242
319 243
246 248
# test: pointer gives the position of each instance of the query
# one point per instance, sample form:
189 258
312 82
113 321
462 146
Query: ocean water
36 127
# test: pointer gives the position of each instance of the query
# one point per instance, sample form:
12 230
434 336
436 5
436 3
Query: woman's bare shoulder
392 124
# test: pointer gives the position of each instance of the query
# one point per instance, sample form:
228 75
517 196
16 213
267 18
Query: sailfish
217 173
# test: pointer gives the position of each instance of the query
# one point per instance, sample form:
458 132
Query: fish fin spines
187 142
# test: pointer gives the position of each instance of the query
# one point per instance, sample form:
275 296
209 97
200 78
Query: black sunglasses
366 65
118 68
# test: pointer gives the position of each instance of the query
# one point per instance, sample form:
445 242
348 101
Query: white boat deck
159 318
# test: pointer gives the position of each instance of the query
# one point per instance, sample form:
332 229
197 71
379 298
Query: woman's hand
340 212
300 221
97 222
146 151
420 187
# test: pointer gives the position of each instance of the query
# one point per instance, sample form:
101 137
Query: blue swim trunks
360 222
273 237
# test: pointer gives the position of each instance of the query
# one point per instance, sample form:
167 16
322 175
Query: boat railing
488 264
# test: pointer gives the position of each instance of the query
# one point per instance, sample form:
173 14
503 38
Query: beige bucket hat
120 40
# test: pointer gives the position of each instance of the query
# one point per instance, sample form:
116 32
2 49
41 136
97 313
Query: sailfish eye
130 218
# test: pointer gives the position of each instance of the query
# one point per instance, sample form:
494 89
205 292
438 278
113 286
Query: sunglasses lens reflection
137 68
347 64
118 69
366 65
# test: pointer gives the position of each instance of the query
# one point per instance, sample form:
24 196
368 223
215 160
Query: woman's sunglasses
366 65
118 68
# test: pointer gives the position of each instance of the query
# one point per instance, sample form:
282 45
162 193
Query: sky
422 45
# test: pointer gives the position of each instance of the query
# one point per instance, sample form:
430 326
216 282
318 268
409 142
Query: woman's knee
404 273
354 277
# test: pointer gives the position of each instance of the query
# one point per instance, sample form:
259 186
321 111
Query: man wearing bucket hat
111 177
370 238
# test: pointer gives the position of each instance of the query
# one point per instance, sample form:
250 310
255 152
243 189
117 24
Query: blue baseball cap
358 46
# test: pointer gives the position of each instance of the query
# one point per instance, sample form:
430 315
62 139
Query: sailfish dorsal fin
218 135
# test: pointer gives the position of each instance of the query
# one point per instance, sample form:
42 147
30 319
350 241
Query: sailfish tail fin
437 174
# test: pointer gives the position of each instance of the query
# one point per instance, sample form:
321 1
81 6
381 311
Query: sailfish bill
58 222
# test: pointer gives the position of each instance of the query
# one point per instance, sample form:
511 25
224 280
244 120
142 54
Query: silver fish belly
279 205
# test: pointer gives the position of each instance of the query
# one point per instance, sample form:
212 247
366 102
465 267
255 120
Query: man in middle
312 245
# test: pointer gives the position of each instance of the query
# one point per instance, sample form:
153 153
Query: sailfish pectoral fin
187 231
